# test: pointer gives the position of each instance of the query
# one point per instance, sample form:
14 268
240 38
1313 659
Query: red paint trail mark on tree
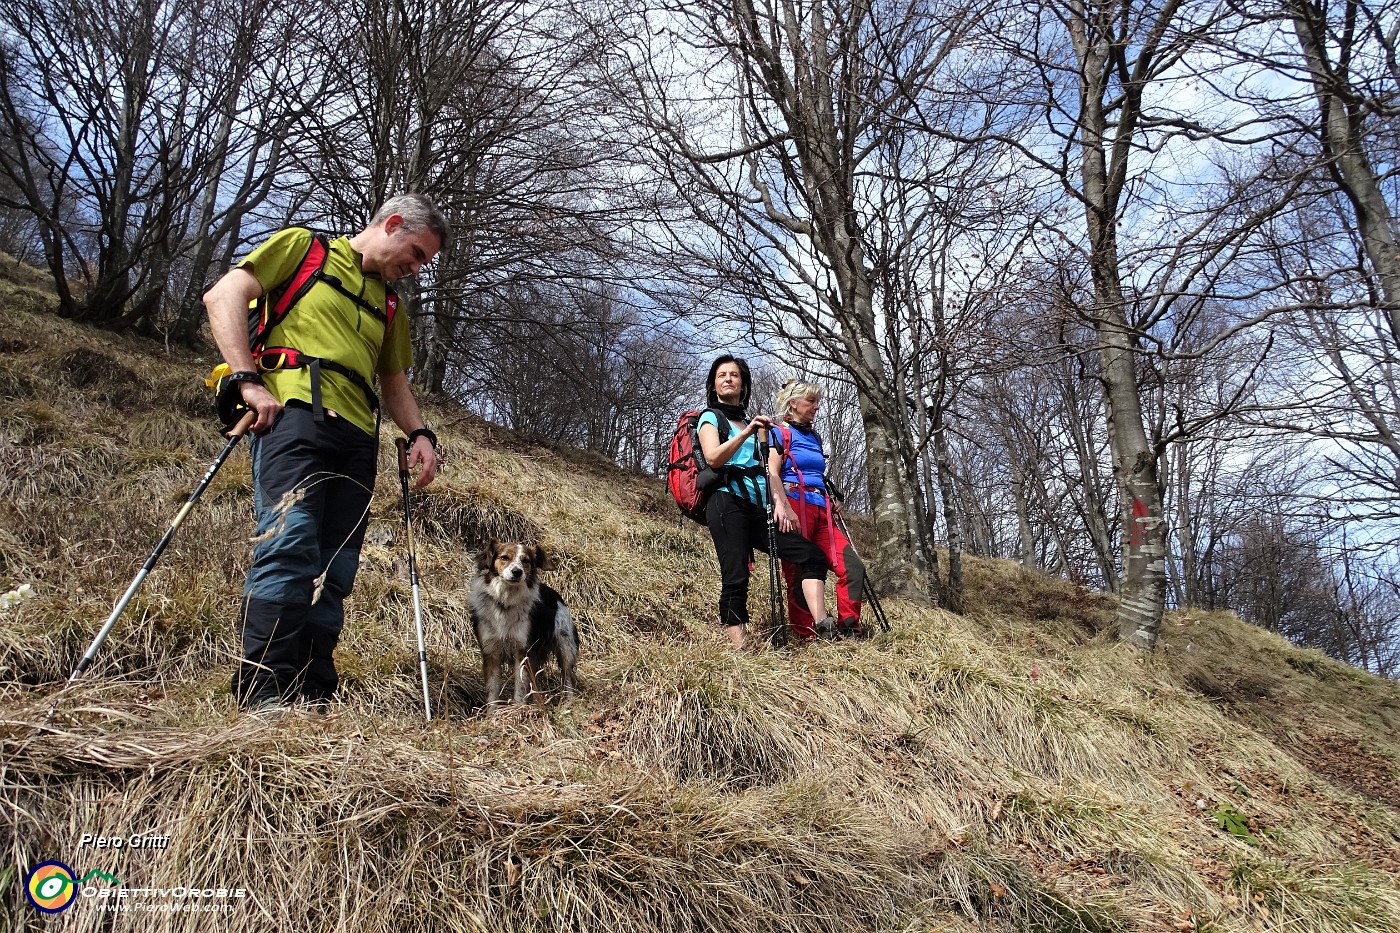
1137 536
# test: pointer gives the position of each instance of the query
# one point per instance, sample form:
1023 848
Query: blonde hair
795 388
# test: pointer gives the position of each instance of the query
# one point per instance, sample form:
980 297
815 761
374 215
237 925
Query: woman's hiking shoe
825 628
850 627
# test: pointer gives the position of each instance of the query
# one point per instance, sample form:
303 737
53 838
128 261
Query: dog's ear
486 556
542 561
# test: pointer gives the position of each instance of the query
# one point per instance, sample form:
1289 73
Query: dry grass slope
1011 769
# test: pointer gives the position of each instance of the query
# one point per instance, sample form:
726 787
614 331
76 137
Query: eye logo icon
51 887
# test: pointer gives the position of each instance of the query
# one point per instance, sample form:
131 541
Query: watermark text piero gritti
134 841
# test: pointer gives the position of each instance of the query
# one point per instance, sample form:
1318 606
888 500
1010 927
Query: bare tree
1349 51
1362 626
1119 47
945 255
1160 250
577 368
490 107
1040 415
1327 79
124 128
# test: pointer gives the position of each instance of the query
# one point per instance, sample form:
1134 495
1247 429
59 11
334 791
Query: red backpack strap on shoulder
300 283
785 436
279 302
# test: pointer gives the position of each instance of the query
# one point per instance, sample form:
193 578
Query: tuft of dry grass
1011 769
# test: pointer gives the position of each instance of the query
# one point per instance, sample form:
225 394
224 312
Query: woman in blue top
807 509
736 511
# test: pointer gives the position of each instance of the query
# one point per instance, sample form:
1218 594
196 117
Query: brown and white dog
520 621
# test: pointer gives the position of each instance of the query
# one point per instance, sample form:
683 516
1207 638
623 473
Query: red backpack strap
785 433
300 283
279 302
785 438
391 307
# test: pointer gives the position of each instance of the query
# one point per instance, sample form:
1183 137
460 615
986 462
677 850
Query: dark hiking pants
737 527
311 490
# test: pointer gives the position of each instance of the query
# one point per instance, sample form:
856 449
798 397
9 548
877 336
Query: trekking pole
402 445
869 584
777 608
236 432
875 604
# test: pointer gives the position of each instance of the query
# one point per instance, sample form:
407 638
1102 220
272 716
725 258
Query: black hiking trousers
737 527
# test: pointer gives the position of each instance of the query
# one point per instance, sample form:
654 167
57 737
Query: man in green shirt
315 443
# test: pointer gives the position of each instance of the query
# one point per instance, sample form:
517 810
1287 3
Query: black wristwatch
422 432
244 375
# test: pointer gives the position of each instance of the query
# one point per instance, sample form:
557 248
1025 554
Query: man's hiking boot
320 706
268 710
825 628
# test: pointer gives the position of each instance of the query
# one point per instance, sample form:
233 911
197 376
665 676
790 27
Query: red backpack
689 476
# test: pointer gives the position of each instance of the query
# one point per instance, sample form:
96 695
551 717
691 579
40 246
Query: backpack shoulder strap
785 439
721 424
785 432
279 301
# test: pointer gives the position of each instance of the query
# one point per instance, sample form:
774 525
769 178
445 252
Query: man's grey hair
418 211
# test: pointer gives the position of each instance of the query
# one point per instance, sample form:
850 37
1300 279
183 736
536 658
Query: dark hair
745 380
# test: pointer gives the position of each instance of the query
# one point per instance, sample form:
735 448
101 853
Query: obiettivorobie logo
52 886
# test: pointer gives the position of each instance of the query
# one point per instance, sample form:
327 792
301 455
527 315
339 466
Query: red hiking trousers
816 526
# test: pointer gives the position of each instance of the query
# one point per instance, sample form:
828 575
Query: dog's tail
565 631
566 647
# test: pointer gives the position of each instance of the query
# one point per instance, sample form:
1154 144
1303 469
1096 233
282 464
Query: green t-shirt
329 325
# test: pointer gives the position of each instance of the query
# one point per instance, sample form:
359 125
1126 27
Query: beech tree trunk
1343 140
1108 122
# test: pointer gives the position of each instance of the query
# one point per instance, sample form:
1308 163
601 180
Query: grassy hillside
1011 769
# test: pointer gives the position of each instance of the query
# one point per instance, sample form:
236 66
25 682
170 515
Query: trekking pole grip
402 445
244 424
